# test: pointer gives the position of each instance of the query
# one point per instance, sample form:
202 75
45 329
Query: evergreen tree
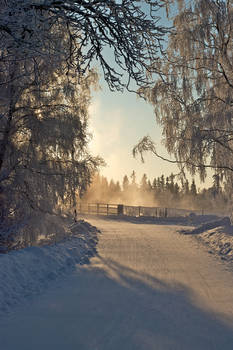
144 183
167 185
118 189
133 178
162 183
193 188
154 184
149 186
133 184
216 188
186 187
171 179
176 191
125 183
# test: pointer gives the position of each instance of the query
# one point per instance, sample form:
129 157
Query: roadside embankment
217 236
29 271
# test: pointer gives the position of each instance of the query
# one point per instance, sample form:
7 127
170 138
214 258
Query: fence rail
120 209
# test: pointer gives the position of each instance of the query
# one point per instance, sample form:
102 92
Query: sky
118 121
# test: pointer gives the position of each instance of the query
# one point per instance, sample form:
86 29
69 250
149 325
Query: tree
118 190
193 188
216 188
129 29
44 160
176 191
144 187
154 184
114 191
193 94
125 183
186 189
162 183
172 185
133 179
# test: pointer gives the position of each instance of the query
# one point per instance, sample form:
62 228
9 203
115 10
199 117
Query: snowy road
148 288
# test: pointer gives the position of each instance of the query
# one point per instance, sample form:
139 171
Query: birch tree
193 92
44 159
128 29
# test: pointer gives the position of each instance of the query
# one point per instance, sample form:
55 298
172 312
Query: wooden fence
120 209
99 208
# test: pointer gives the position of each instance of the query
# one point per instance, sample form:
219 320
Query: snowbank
219 240
29 271
217 235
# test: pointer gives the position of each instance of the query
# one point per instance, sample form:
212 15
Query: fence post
139 211
98 208
107 209
120 209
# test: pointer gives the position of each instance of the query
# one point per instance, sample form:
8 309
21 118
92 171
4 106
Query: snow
147 288
217 236
219 240
29 271
188 220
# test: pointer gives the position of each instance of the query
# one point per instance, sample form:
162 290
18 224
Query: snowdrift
28 271
217 236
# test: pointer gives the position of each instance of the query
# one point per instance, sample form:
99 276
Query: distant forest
162 192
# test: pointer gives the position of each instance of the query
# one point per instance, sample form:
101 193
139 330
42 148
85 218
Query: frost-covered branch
192 95
129 29
146 144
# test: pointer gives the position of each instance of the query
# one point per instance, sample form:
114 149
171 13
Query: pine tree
125 183
186 190
154 184
193 188
144 184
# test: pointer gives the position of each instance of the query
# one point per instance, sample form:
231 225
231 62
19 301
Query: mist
161 192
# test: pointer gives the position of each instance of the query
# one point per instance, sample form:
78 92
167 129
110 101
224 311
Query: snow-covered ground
147 288
29 271
215 232
217 236
189 220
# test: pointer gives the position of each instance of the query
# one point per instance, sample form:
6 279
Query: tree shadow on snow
134 311
113 307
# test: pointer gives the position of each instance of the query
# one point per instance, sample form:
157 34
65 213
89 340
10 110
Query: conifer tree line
162 191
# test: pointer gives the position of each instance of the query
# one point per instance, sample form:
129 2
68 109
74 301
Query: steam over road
148 288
